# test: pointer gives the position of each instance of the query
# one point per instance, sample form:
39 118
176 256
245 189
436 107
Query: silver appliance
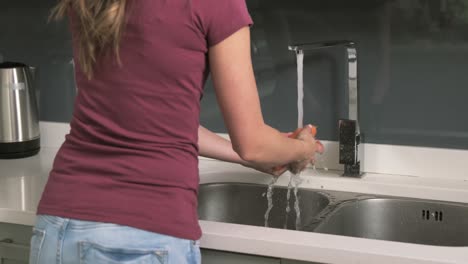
19 118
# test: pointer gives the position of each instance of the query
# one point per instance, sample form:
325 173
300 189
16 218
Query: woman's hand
307 136
274 171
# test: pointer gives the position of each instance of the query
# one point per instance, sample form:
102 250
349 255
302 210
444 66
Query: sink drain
436 215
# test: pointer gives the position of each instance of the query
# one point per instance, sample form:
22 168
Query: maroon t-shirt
131 157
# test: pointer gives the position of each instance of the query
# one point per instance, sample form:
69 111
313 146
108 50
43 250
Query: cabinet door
14 243
217 257
7 261
13 253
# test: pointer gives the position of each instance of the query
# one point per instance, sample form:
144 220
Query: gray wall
412 63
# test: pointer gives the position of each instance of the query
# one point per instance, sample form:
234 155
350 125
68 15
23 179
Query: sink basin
395 219
348 214
247 204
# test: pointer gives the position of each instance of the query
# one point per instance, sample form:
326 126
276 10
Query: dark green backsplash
413 65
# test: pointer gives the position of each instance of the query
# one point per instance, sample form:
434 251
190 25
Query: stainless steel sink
404 220
340 213
247 204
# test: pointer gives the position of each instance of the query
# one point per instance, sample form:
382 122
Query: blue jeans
59 240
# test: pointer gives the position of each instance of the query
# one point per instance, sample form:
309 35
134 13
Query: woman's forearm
214 146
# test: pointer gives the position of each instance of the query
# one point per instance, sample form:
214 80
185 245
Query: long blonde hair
100 22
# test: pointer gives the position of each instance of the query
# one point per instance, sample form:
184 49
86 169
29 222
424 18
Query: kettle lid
9 65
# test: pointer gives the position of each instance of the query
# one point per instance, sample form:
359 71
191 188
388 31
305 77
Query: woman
123 188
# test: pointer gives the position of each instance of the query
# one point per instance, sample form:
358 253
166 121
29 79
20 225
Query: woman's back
132 156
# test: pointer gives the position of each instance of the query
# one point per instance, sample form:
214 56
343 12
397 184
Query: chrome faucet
350 137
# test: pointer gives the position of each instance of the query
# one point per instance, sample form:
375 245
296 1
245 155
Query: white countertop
22 182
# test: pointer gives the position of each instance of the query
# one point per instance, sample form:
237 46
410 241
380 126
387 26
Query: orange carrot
313 130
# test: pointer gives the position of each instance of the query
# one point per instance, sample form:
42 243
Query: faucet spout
320 45
350 137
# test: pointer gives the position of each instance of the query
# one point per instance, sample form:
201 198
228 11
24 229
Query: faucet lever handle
349 141
351 150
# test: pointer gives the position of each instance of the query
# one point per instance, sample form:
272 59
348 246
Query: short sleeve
218 19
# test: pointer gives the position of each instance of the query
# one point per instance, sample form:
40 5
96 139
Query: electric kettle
19 118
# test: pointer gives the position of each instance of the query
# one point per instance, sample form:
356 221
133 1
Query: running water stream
294 179
269 195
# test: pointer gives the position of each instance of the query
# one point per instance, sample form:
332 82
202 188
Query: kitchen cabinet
7 261
14 243
215 257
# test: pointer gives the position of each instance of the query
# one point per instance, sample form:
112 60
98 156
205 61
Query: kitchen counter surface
22 182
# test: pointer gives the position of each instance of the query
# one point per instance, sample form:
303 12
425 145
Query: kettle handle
32 69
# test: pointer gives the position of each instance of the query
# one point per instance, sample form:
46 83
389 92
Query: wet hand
274 171
306 134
